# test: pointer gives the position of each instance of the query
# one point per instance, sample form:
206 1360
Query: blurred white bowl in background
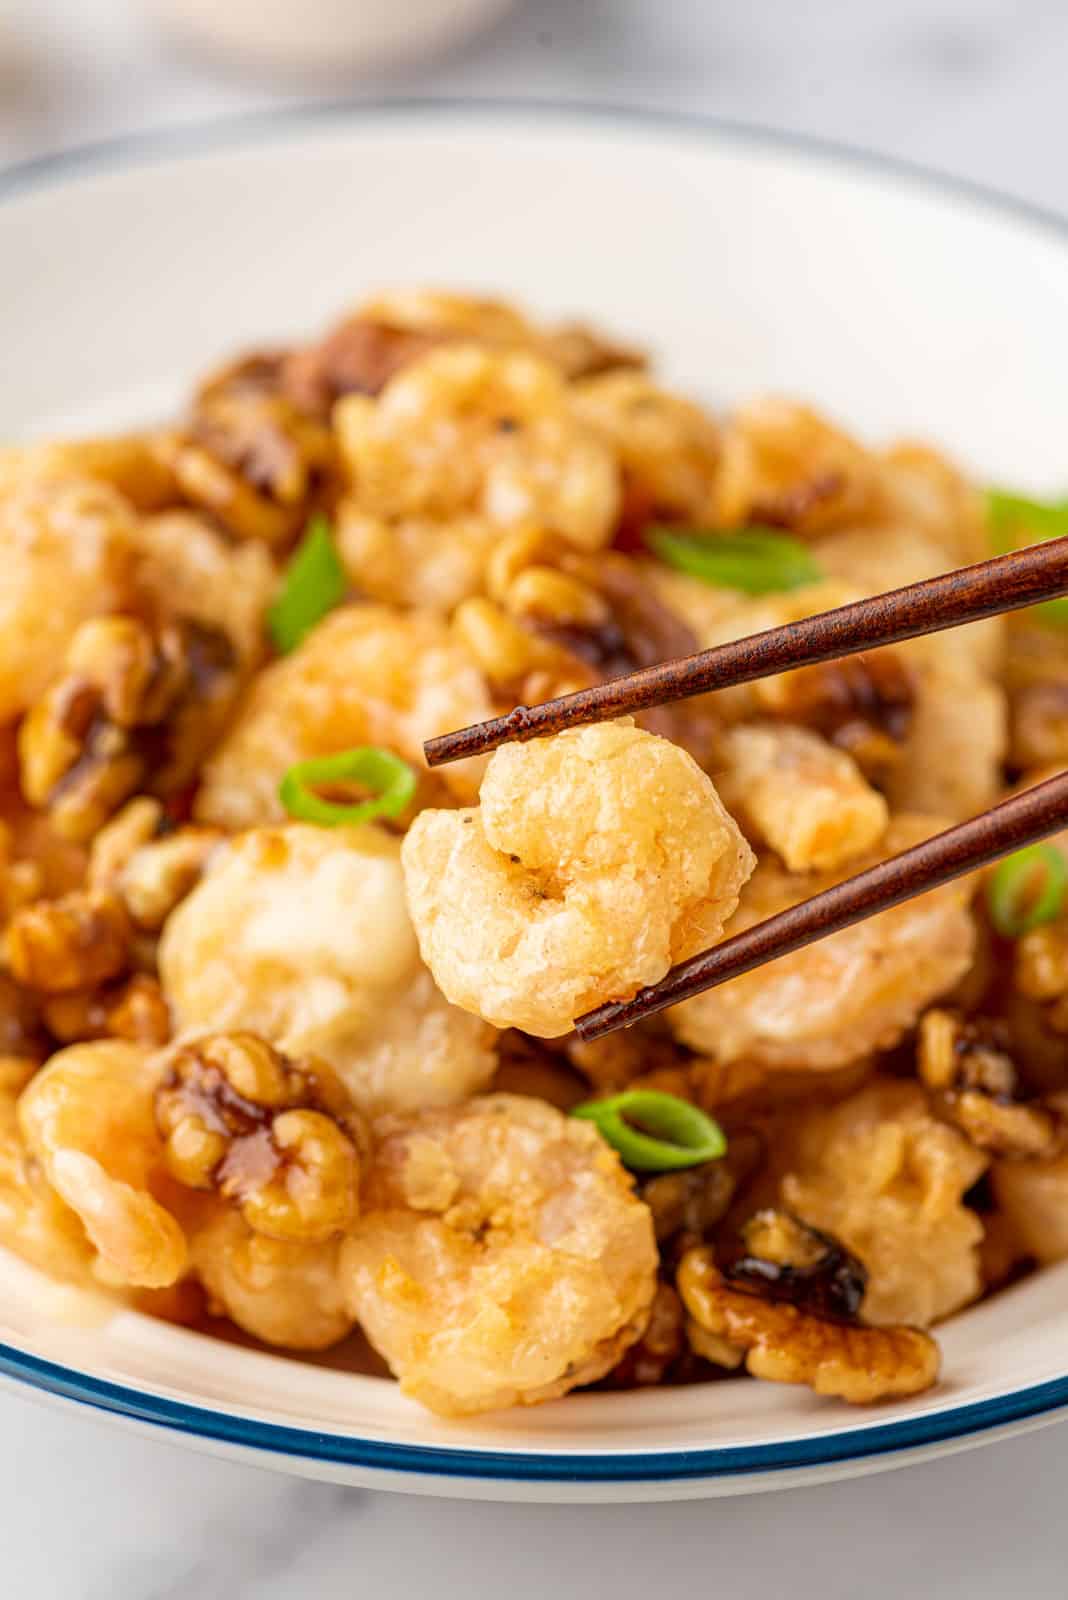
323 36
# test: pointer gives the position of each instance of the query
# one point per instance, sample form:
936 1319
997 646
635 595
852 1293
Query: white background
86 1511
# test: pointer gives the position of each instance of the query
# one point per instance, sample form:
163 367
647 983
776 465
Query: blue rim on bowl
961 1422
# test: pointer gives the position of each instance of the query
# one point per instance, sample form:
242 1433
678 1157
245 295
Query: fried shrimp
470 430
501 1257
883 1175
301 935
285 1292
596 859
366 675
845 997
34 1221
66 554
88 1118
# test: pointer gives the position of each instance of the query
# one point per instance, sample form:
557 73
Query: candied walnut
860 704
279 1138
529 1066
882 1174
786 1344
75 942
138 821
136 706
134 1009
690 1202
65 552
785 1259
651 1357
804 798
619 1058
845 997
160 874
250 458
1041 972
596 859
966 1063
359 356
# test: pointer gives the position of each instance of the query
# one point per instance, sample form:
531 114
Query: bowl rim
969 1421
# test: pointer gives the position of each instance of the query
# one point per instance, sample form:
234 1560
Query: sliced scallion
391 781
754 561
654 1132
314 583
1027 890
1015 522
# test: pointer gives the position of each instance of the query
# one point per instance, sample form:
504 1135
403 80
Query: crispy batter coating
469 430
66 555
800 795
34 1221
668 447
1033 1197
501 1257
847 996
190 570
88 1118
883 1175
596 859
301 935
283 1291
365 675
789 1345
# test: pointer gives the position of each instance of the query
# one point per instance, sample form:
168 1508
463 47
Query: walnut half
786 1344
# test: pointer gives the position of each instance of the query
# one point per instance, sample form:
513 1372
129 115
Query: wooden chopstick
1020 821
1004 583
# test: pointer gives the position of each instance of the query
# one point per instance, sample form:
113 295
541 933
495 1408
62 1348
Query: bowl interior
745 266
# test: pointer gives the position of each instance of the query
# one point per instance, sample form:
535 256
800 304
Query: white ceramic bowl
745 262
324 37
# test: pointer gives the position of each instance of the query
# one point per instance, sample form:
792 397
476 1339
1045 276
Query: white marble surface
86 1511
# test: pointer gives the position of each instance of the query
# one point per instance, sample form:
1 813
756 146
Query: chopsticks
1004 583
1022 820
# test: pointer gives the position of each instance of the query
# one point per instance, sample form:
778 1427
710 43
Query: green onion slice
1015 522
654 1132
1027 890
391 780
315 582
754 561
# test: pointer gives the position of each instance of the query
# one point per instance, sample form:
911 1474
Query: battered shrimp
502 1257
596 860
301 935
804 798
283 1292
88 1118
470 430
668 447
1033 1196
366 675
34 1222
65 554
848 995
883 1175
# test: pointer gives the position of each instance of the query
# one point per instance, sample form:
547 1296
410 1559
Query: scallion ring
391 780
753 560
1015 522
1027 890
654 1132
314 583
